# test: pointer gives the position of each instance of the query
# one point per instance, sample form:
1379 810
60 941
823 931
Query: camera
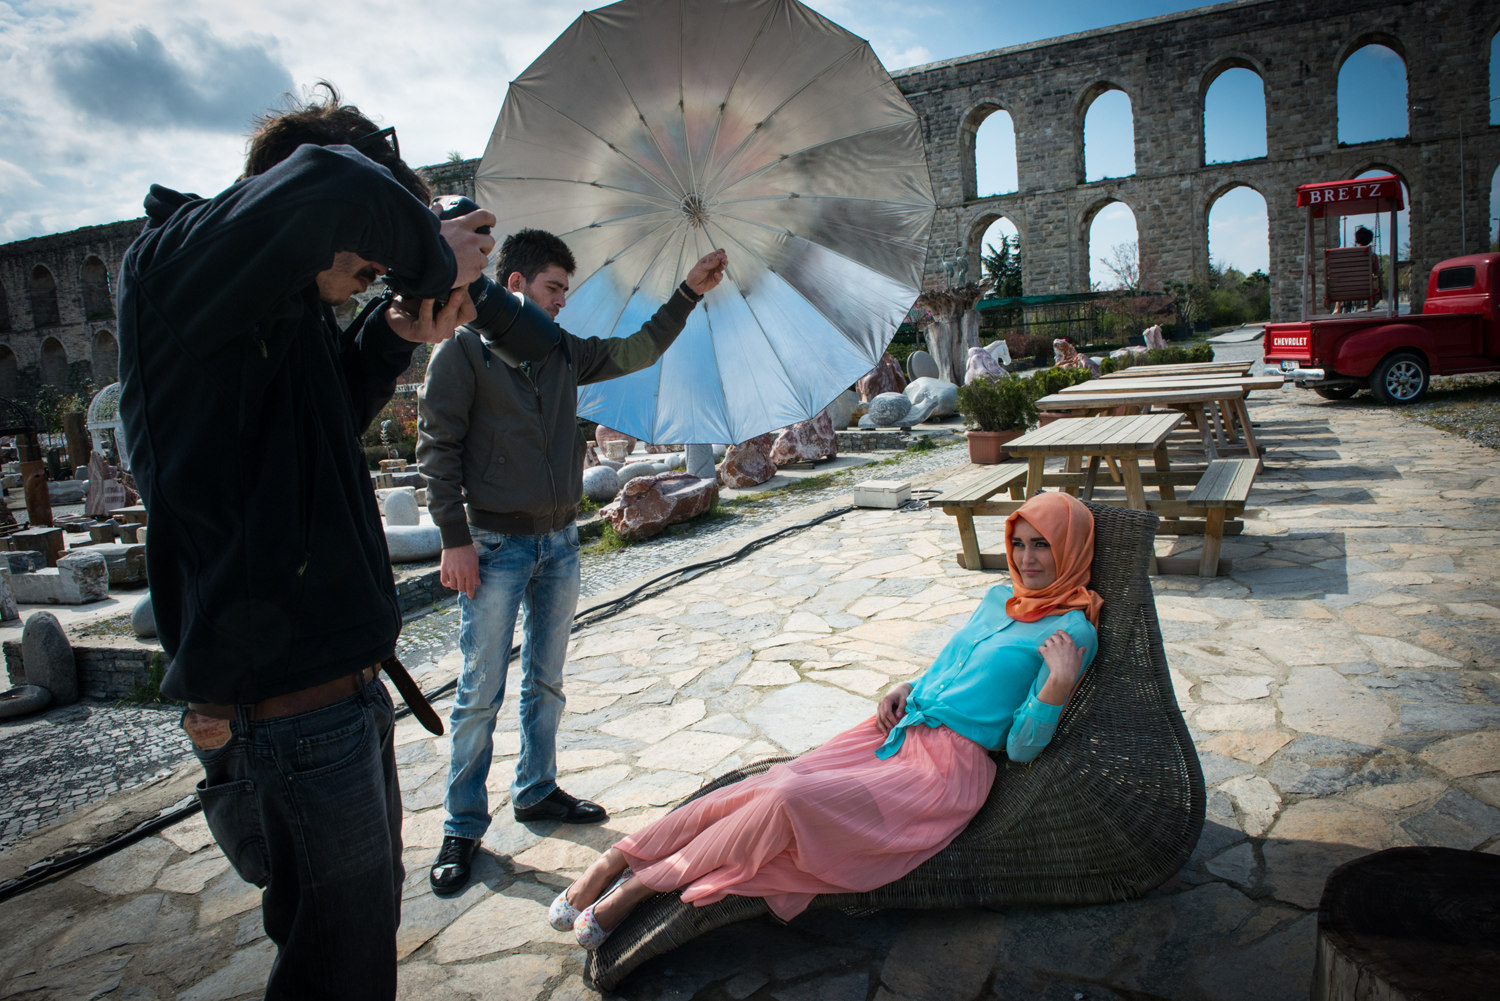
512 326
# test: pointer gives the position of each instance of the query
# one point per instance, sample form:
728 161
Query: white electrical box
882 493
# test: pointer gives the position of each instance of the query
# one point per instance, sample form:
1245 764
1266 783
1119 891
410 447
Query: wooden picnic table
1123 439
1185 368
1204 407
1226 415
1126 385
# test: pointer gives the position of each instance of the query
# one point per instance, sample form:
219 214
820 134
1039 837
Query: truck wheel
1399 379
1335 392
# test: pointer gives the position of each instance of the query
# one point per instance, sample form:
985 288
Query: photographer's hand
458 568
708 272
471 250
426 325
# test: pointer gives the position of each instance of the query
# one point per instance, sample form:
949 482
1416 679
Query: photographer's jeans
307 807
535 576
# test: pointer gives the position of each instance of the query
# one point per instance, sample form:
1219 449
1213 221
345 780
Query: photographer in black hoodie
243 403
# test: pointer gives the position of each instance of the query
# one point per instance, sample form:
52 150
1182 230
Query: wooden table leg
1213 536
1164 465
1226 407
1135 493
1210 450
1034 471
1219 421
1243 414
1073 464
969 539
1088 483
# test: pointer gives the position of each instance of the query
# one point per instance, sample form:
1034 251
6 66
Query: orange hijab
1069 527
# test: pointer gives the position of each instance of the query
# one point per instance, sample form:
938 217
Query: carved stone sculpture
885 377
807 441
748 464
648 504
886 411
982 365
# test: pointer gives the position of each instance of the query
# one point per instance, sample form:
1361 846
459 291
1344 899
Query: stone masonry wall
83 265
106 672
1166 65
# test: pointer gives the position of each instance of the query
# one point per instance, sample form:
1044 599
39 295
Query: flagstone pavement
1340 686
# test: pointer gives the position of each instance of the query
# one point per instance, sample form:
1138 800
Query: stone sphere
600 484
635 469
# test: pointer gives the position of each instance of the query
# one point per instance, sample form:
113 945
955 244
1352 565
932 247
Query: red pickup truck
1457 331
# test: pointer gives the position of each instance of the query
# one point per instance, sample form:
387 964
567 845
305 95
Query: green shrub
1003 404
1172 354
1055 380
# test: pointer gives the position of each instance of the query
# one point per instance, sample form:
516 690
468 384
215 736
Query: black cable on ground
48 871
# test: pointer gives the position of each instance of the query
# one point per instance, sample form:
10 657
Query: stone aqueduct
1166 66
57 319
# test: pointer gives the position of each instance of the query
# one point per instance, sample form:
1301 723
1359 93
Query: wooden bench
971 497
1221 491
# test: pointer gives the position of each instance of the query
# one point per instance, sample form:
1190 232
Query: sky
101 98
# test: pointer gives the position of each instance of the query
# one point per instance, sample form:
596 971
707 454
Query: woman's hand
892 707
1064 660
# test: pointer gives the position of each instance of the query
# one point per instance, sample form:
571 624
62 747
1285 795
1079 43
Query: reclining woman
881 798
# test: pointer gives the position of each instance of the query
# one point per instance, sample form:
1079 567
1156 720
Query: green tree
1002 266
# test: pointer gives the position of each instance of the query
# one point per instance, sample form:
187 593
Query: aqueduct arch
1165 65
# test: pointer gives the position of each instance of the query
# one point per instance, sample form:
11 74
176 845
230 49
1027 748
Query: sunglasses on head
386 136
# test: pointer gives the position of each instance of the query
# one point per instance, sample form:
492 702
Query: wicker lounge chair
1111 809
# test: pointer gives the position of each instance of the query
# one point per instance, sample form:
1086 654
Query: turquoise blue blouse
984 684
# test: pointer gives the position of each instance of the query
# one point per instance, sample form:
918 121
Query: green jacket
500 448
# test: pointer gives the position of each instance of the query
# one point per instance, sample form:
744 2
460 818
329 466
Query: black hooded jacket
242 409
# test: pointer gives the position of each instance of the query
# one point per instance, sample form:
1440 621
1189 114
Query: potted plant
1000 410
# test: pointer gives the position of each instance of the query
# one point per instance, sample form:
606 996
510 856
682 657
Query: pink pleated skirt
835 820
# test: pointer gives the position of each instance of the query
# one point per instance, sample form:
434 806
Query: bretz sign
1368 194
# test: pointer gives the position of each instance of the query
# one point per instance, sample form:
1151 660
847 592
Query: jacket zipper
546 440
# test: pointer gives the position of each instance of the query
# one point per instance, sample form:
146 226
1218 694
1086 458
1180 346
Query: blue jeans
535 576
307 808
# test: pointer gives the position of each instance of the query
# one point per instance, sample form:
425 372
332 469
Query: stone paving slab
1340 685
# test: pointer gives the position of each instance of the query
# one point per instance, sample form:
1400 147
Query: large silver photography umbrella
651 132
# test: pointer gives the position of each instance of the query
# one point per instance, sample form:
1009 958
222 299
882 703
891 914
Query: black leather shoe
560 806
450 873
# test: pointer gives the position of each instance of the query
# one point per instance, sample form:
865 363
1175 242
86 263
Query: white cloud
101 98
